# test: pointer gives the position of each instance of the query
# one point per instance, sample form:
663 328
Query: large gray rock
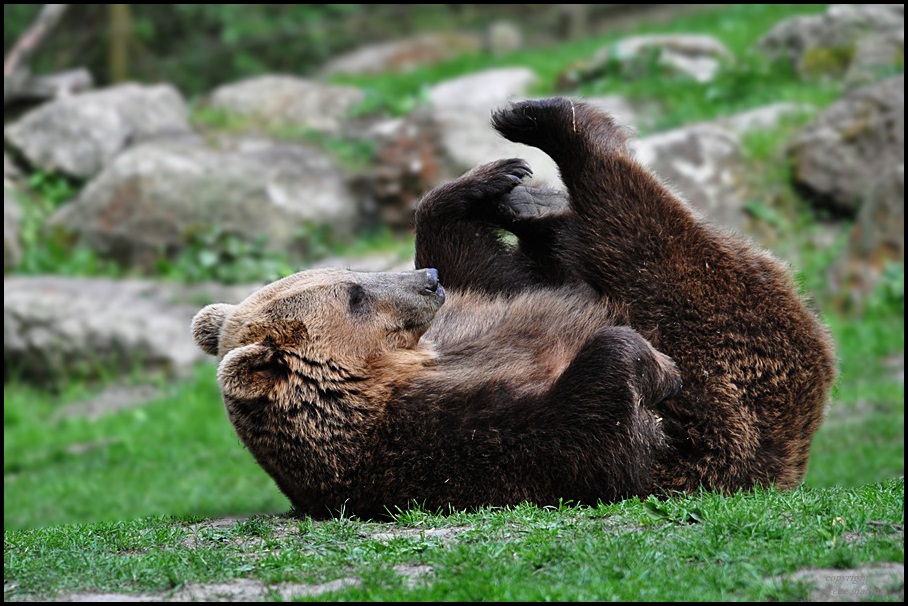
155 197
696 56
482 91
467 139
288 101
439 142
503 37
847 39
838 159
704 164
403 55
10 170
56 326
12 216
460 112
877 239
81 134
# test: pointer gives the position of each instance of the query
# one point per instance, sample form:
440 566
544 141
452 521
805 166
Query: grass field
701 547
162 500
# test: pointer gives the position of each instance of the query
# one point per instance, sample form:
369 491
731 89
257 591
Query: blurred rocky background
159 157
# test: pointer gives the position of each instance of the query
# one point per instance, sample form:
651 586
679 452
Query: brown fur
537 379
757 365
537 397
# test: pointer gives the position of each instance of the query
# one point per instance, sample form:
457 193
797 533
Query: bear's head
329 317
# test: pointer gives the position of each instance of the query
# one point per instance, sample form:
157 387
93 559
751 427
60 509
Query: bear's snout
432 286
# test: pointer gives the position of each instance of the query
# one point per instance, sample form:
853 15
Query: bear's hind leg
601 410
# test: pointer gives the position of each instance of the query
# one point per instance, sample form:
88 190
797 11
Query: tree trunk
15 64
574 20
120 21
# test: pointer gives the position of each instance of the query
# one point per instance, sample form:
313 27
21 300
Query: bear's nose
431 285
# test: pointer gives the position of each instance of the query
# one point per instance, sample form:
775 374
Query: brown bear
547 370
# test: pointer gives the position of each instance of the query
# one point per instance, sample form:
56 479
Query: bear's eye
359 299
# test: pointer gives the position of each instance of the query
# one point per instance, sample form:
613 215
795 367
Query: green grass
177 455
702 546
863 438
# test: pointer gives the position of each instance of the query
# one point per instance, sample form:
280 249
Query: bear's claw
497 178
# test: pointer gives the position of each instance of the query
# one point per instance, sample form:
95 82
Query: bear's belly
523 343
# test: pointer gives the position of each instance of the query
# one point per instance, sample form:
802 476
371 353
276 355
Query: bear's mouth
409 334
415 325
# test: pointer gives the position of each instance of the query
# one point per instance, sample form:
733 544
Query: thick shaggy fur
545 375
356 393
756 364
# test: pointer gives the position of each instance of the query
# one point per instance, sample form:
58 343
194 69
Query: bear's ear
248 372
207 324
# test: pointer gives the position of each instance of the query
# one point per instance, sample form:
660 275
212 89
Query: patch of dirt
871 582
109 401
442 534
210 531
414 574
895 364
237 590
106 597
221 530
240 590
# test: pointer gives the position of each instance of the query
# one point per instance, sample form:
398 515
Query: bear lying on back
550 370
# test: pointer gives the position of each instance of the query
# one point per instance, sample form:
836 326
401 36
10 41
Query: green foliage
827 60
46 251
379 102
51 188
890 291
225 257
177 453
352 153
749 83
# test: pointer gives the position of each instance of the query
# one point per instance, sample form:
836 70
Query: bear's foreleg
458 229
627 232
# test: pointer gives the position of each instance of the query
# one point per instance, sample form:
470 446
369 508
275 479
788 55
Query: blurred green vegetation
200 46
747 82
